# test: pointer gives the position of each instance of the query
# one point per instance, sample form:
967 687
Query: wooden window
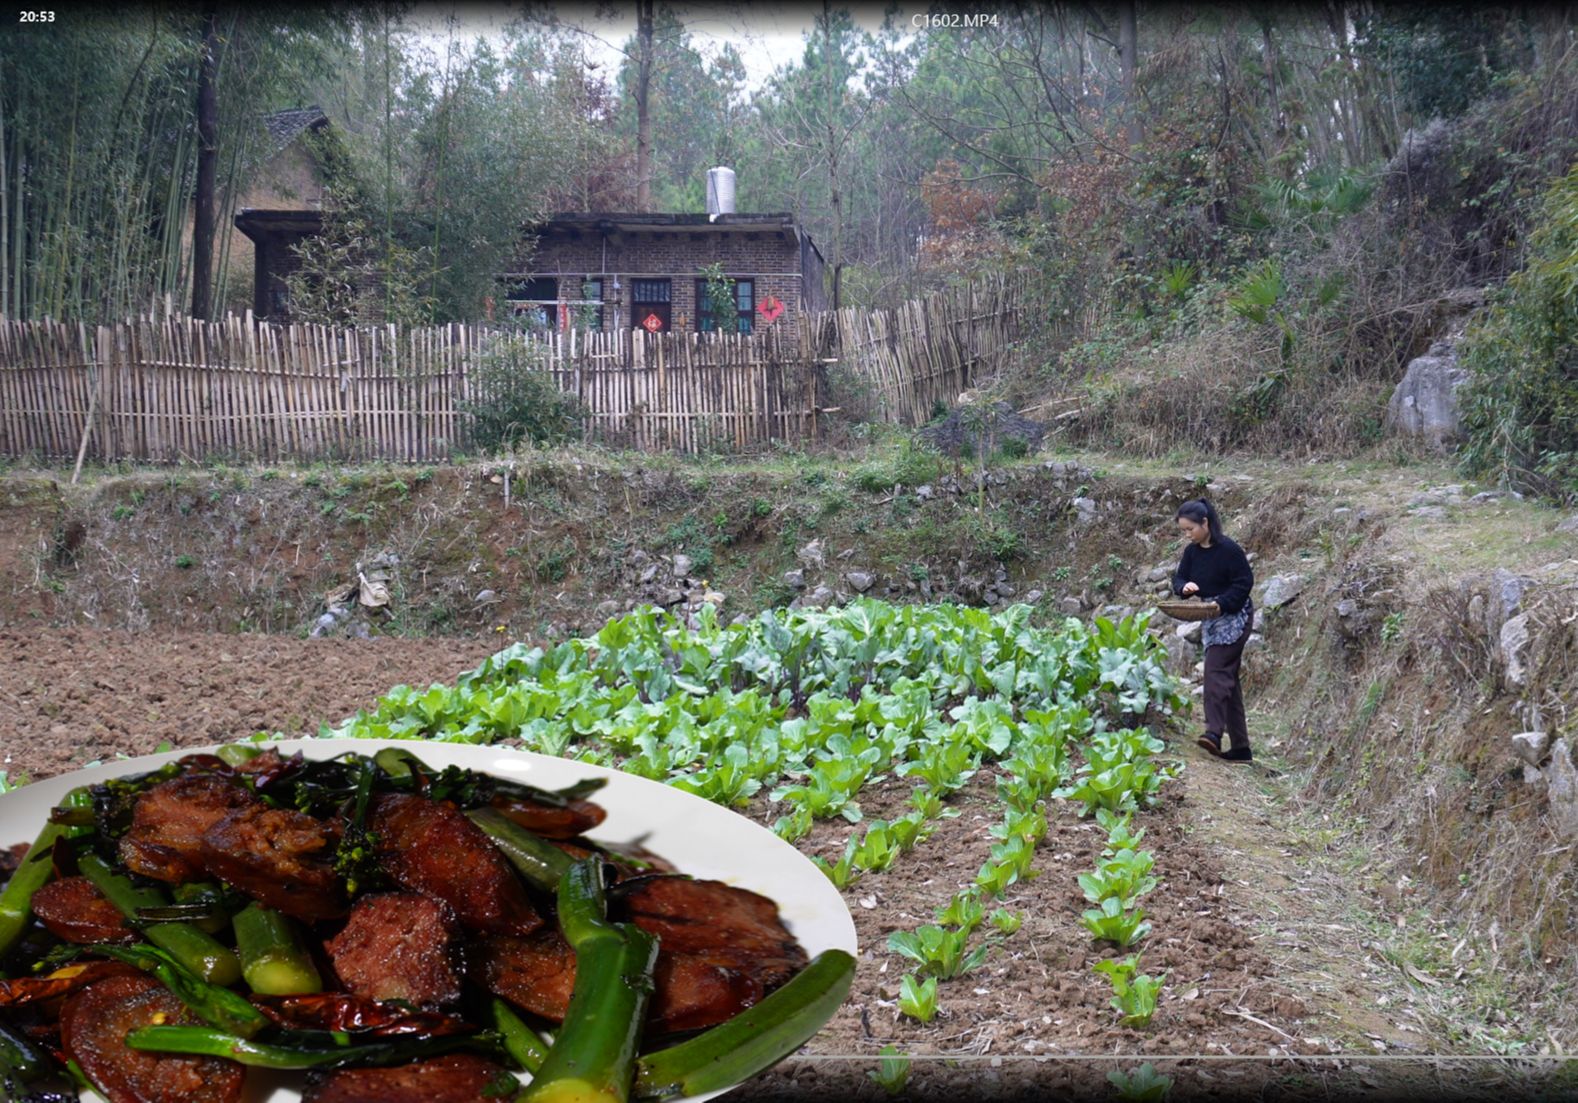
592 288
744 306
649 299
537 297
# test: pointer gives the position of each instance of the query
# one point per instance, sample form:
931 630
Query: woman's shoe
1211 742
1238 754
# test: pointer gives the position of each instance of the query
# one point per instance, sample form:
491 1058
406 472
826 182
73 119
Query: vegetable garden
803 717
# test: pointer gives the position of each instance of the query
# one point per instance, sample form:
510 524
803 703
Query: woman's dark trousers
1224 698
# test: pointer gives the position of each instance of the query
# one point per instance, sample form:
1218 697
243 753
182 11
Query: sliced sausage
75 910
432 848
280 857
562 822
457 1078
398 946
710 917
535 973
93 1029
165 841
692 989
11 859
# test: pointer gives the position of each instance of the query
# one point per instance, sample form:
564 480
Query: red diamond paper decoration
771 309
652 323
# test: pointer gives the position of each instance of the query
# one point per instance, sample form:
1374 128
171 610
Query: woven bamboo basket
1189 608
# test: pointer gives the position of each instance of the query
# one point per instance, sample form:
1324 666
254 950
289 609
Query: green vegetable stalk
194 949
593 1055
521 1042
16 902
238 754
274 960
206 1042
755 1039
216 1006
539 861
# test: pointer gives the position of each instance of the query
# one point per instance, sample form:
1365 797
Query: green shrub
515 401
1520 409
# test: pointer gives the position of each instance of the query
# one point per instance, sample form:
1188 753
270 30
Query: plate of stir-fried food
350 921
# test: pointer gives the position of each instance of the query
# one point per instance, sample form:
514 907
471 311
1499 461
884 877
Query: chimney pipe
720 192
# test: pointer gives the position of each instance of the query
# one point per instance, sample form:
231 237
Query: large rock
1084 510
1282 589
1569 525
1189 630
1180 654
1561 786
1514 642
1509 588
682 565
795 579
1425 402
813 556
860 581
1530 746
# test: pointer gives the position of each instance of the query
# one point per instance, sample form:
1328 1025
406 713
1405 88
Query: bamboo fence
929 350
170 389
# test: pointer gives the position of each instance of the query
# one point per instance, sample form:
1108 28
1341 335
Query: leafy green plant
878 847
793 827
1141 1085
893 1071
1392 626
1110 789
1126 875
910 830
928 805
844 872
946 766
937 952
1120 835
1112 923
515 401
1258 292
1178 278
1017 823
1005 921
964 911
1134 996
918 999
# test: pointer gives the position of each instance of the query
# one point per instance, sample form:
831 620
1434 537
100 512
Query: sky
766 35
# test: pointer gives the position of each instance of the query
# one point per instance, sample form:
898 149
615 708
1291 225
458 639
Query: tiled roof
285 126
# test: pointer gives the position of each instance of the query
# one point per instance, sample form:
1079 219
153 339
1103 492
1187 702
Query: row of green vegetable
813 706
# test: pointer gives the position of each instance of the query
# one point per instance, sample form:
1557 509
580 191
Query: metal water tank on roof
720 191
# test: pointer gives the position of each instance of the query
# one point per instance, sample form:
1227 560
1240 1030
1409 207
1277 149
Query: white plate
699 837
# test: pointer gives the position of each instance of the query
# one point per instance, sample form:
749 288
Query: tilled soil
1033 1020
68 697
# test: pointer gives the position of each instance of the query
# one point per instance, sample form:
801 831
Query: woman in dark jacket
1217 569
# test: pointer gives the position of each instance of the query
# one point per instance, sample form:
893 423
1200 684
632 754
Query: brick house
613 271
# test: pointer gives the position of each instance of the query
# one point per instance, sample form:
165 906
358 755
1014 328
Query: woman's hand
1190 588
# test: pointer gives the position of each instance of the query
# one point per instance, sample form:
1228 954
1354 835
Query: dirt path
1397 999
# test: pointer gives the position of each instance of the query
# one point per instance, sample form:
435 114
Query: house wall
773 262
289 181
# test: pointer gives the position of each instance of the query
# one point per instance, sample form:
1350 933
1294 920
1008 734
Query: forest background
1242 222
